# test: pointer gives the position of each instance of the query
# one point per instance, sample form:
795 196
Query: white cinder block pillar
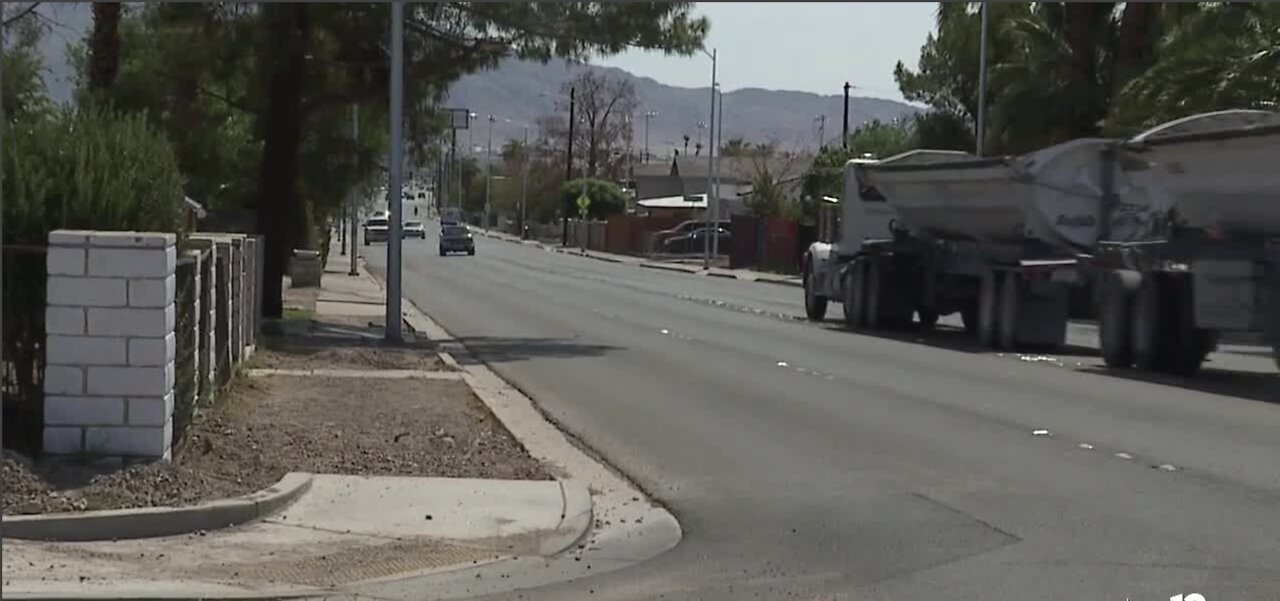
109 377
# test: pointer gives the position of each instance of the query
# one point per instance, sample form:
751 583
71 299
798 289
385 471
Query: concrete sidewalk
681 267
347 531
344 533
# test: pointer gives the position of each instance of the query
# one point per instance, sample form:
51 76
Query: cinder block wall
109 376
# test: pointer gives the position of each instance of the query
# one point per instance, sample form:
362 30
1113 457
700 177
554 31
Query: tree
604 107
607 198
24 92
1218 57
771 180
104 45
444 42
825 177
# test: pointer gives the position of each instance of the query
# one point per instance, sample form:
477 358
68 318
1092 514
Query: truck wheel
928 318
855 295
988 303
1115 322
1187 346
815 306
1145 337
969 317
1010 307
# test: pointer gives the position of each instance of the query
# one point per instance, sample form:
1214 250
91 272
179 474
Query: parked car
685 228
456 238
376 229
694 242
414 229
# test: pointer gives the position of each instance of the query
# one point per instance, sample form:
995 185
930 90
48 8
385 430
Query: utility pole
395 194
982 77
844 139
352 216
706 240
647 116
822 129
568 173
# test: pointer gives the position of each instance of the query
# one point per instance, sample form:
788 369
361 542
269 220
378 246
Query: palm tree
1224 55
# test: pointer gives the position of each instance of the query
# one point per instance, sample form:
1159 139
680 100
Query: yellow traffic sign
584 202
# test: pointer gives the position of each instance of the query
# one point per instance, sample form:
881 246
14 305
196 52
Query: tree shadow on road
501 349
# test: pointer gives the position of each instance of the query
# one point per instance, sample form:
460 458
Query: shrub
88 169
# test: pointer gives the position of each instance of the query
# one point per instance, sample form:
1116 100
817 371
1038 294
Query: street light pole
982 77
568 173
393 318
706 242
488 175
524 188
715 244
353 217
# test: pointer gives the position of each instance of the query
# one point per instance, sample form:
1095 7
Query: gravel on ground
264 427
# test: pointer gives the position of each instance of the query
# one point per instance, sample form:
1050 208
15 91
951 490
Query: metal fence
186 391
23 346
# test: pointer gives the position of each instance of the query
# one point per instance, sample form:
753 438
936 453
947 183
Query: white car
376 229
414 229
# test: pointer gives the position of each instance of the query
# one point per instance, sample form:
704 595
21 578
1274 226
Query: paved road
807 462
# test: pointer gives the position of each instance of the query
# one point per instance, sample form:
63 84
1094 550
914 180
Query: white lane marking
1041 433
782 364
1086 446
1166 467
1124 456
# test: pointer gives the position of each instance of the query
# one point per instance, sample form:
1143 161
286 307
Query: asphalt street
809 462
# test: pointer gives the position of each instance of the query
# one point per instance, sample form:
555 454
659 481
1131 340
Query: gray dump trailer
1179 227
1212 262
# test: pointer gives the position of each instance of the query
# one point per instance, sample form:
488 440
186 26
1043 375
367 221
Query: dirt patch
265 427
349 358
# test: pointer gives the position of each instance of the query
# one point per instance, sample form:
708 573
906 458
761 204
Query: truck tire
1115 324
815 306
1187 346
928 318
1011 290
855 295
988 304
1145 339
875 318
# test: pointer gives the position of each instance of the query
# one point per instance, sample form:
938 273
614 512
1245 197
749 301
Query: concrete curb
151 522
790 283
727 276
661 267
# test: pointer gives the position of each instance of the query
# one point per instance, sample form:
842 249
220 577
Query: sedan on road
456 238
376 229
414 229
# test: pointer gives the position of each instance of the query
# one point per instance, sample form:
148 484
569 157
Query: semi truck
1179 228
1212 262
932 233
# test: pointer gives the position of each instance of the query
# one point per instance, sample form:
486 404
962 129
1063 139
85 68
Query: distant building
686 177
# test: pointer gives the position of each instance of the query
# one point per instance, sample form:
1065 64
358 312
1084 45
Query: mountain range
523 92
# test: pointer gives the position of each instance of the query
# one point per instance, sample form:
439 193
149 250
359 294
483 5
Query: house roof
692 201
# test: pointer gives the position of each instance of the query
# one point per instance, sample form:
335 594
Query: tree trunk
104 45
1082 36
1136 46
285 74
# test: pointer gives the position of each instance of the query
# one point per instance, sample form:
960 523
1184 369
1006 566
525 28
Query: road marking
1041 433
1166 467
1086 446
1124 456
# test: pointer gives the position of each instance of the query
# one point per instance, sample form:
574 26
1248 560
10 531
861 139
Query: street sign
460 118
584 202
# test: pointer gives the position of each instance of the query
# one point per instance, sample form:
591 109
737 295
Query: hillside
514 90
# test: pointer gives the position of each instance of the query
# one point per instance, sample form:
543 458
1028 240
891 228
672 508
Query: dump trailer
997 240
1211 263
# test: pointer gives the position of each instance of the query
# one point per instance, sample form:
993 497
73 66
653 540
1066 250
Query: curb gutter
575 523
151 522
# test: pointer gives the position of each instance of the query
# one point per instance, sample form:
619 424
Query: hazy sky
809 46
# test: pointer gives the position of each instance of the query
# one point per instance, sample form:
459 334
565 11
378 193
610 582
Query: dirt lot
266 426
